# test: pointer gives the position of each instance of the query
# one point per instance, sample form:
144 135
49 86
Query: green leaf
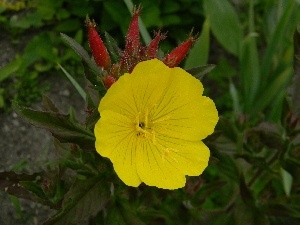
74 82
281 209
69 25
48 105
200 71
59 125
276 86
84 200
11 68
287 181
112 47
34 188
249 64
246 193
295 86
128 214
224 23
248 215
235 98
198 55
96 71
114 217
17 205
288 19
10 183
40 47
227 166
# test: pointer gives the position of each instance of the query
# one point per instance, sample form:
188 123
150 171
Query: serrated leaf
200 71
85 199
59 125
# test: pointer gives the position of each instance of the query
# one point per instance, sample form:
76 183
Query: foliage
252 175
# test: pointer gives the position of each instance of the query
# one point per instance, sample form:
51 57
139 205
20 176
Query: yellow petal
189 157
119 98
142 88
116 140
183 112
154 170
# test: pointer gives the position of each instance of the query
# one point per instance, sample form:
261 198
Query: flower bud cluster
134 52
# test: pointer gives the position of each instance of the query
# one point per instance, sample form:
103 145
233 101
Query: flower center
143 126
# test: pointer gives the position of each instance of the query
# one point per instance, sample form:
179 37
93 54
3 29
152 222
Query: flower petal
189 157
117 141
183 112
138 90
119 98
154 170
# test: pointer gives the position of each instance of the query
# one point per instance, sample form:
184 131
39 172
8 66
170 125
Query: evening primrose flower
152 123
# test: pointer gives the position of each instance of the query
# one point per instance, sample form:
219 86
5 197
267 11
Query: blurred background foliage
253 173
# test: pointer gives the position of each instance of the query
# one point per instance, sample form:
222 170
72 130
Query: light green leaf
235 98
74 82
9 69
224 23
249 63
199 53
288 19
287 181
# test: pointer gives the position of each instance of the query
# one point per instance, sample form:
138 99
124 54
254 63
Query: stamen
161 119
166 154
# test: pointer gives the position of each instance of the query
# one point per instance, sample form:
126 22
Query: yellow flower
152 123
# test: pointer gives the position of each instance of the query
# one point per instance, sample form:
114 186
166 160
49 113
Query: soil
25 148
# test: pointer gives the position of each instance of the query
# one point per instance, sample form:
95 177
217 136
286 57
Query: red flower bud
99 51
108 81
152 48
133 34
178 54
